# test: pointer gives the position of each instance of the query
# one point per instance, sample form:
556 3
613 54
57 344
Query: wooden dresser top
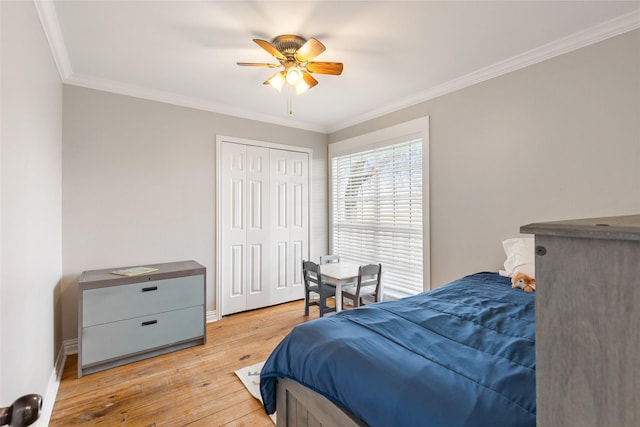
105 277
614 227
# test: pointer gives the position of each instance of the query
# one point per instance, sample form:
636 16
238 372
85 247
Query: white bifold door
264 225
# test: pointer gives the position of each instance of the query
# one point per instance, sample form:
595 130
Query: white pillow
520 253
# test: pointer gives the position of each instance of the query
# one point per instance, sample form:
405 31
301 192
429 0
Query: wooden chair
367 287
329 259
313 283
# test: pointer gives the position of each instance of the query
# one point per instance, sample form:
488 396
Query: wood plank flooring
195 387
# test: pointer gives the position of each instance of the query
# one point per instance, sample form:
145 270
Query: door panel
290 185
255 269
233 220
258 233
299 231
237 271
280 225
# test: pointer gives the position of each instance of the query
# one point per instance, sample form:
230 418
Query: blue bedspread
460 355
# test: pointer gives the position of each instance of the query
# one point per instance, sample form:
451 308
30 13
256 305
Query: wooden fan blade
257 64
308 79
269 48
309 50
334 68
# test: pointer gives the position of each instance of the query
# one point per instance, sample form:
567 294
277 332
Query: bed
460 355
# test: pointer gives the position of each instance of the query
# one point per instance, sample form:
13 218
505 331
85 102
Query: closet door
244 220
299 231
258 234
289 182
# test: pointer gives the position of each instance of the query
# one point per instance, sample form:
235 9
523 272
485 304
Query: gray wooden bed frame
299 406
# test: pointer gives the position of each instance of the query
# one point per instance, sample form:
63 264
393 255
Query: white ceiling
395 53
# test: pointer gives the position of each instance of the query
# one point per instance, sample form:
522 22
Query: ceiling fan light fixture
294 76
301 87
277 81
294 54
306 83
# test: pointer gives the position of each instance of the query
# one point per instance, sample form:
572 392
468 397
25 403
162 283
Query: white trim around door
221 170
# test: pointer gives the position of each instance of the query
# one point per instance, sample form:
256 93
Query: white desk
339 274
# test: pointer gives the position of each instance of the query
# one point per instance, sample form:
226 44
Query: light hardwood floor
196 386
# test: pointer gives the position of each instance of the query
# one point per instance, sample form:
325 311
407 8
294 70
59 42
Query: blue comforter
460 355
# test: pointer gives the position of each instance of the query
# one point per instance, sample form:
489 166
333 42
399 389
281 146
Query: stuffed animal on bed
524 282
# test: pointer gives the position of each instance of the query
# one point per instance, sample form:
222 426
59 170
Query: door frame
220 139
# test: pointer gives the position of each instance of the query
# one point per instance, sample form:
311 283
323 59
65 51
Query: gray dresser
122 319
588 322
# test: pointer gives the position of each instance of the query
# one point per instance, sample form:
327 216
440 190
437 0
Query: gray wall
30 231
139 185
557 140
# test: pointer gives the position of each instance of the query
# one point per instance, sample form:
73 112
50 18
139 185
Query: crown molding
136 91
49 20
595 34
589 36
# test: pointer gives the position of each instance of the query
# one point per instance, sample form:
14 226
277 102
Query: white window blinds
377 212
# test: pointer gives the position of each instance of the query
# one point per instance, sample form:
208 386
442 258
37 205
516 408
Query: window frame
411 130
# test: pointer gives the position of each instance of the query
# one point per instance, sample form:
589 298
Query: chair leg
306 304
322 305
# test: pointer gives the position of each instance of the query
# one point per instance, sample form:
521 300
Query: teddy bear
524 282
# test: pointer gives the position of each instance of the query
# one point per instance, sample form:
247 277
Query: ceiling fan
294 54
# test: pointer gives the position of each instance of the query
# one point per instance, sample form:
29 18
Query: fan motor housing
288 44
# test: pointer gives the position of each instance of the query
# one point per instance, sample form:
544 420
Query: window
377 210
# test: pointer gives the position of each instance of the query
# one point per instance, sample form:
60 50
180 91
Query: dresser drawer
116 339
113 303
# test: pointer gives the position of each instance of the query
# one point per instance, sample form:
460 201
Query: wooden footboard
298 406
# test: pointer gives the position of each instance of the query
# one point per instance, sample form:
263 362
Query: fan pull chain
289 100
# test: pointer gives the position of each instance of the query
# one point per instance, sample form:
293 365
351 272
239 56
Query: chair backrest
328 259
370 275
309 273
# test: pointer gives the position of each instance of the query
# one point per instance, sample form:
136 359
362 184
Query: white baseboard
70 346
49 398
390 295
212 316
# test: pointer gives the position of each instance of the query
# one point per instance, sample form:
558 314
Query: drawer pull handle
150 288
149 322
